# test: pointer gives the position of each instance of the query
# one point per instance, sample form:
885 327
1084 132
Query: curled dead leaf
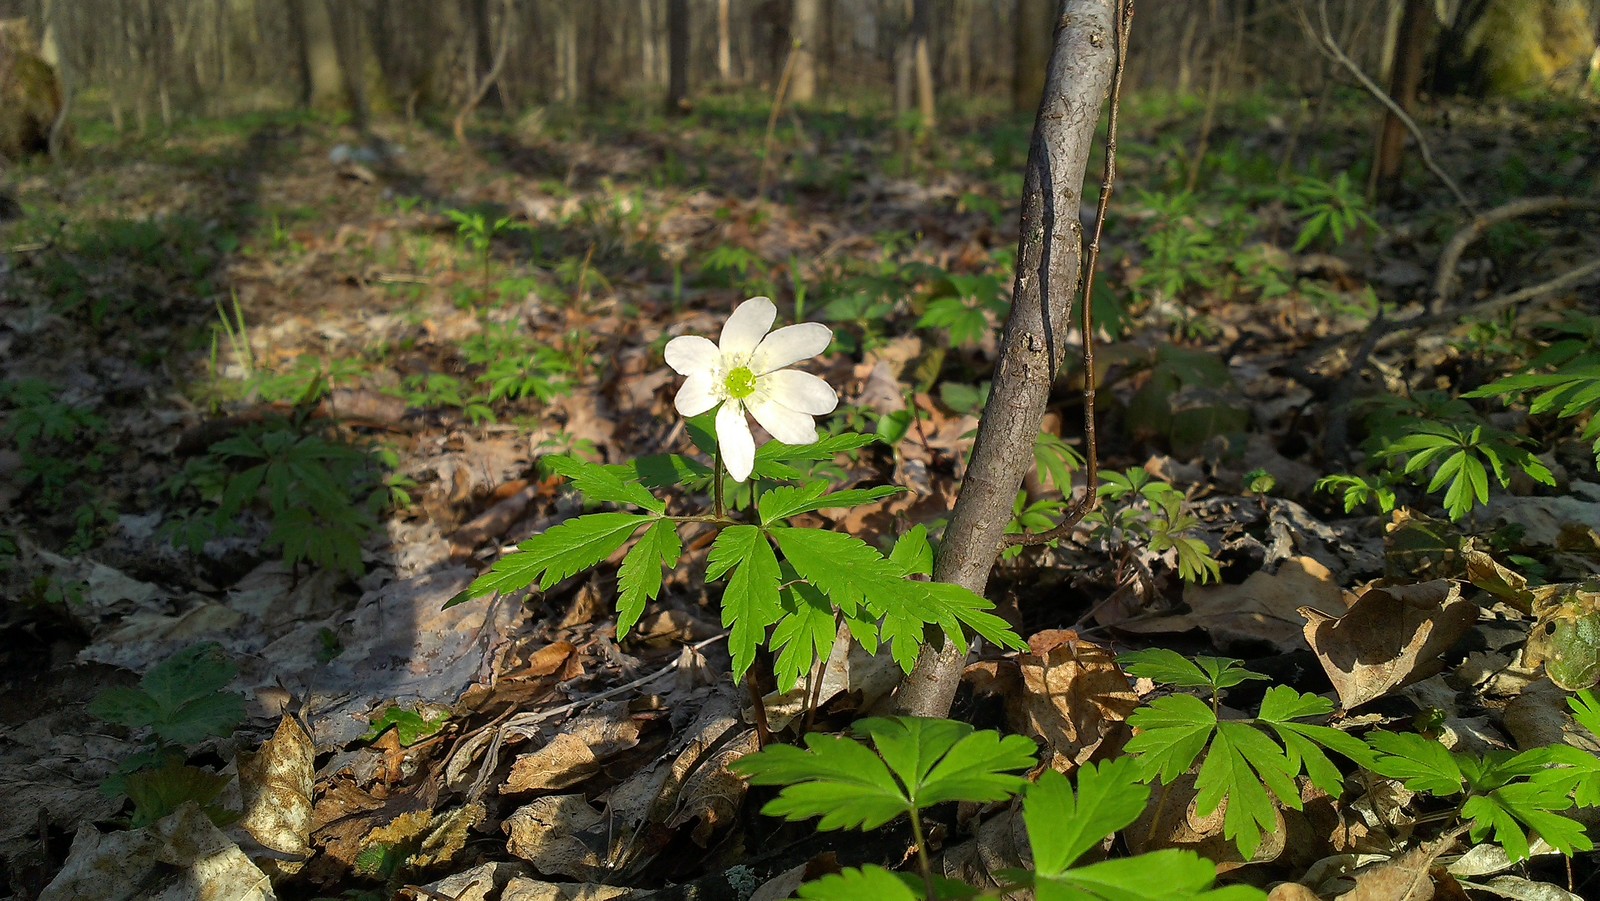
276 783
1390 637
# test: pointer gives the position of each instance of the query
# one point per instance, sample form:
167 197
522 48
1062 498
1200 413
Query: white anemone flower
744 371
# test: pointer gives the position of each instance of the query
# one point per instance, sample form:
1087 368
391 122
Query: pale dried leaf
276 783
559 834
182 857
1389 638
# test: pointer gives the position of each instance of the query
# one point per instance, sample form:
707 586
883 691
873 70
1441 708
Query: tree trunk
1410 46
568 88
1032 54
346 23
483 52
317 55
922 60
678 102
724 41
805 25
1049 257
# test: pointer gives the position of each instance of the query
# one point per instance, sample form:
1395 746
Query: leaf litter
564 754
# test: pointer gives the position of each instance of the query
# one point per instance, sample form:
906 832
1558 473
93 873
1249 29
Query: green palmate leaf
786 501
599 483
180 699
639 578
1168 667
942 760
912 552
950 604
1583 772
773 458
869 882
924 762
156 793
803 636
663 471
1241 764
1173 730
556 553
1062 826
846 569
751 602
1508 809
1421 764
1305 742
1585 707
1169 875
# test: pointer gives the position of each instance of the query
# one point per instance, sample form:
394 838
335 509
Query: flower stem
922 856
716 485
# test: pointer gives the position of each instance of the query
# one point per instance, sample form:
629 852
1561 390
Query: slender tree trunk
1032 54
482 51
805 25
1410 46
318 55
1049 259
346 22
568 89
678 102
724 41
922 60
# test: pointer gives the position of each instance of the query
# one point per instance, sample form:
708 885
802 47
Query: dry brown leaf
521 888
1068 692
1265 607
1403 878
575 754
714 792
560 835
1390 637
1292 891
182 857
276 783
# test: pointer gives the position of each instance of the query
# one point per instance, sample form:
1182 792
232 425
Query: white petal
747 326
698 393
799 391
790 344
735 442
689 354
786 425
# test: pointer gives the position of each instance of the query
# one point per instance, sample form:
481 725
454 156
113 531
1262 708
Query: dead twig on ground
1444 280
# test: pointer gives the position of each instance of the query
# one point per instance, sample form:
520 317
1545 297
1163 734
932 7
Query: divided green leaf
180 699
600 483
751 602
639 577
556 553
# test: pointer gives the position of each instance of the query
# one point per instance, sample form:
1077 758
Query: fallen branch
1398 331
1444 280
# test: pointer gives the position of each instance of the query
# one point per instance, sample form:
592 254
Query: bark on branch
1049 259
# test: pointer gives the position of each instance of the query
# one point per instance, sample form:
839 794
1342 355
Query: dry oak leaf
576 754
560 835
276 783
1068 692
1265 606
1390 637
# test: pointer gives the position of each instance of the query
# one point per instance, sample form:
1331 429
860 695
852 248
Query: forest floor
262 391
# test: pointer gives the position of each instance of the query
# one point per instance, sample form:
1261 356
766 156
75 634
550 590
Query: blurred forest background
141 62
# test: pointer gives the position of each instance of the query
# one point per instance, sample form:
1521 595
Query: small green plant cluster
58 441
787 587
1143 512
1253 765
967 308
182 703
322 497
917 763
515 366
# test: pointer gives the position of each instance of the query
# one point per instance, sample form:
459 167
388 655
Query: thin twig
1330 46
489 78
1398 331
772 120
1091 470
1444 280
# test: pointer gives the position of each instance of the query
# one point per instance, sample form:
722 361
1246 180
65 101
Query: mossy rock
30 94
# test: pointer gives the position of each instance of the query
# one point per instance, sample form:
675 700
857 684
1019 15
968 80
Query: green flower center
741 383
